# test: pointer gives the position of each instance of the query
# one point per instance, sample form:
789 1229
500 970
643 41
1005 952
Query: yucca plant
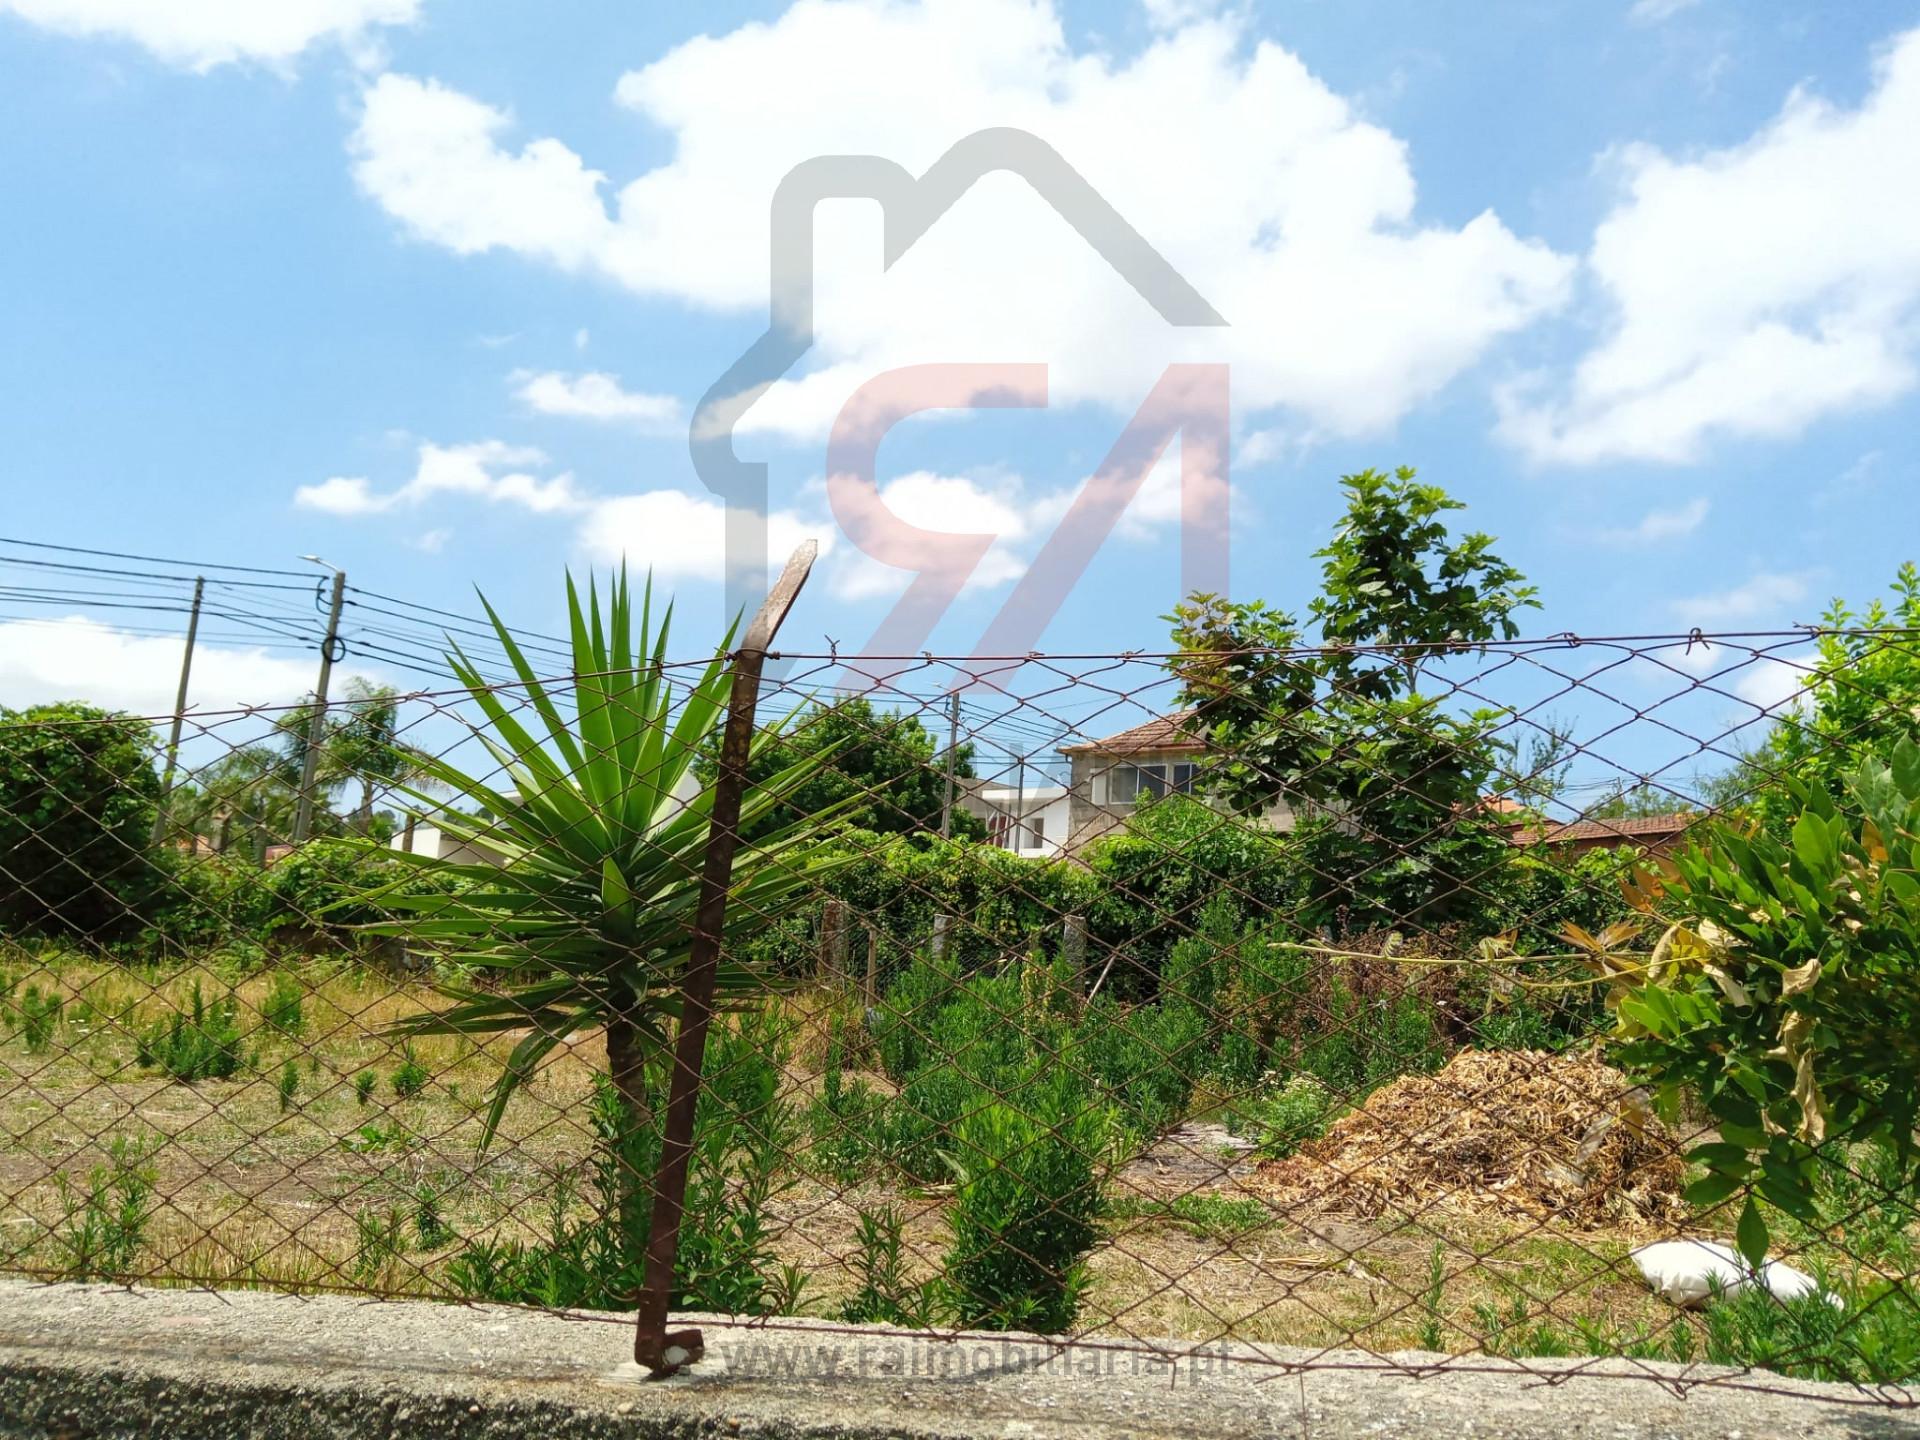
587 919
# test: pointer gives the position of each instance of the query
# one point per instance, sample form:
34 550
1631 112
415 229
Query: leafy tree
1392 576
1785 992
1541 766
244 797
360 745
1343 727
1861 697
78 794
883 771
363 745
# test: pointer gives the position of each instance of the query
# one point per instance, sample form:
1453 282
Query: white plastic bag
1685 1272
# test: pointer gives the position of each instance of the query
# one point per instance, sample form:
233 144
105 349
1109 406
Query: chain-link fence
1364 1007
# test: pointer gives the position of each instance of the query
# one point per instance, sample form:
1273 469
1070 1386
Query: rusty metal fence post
654 1348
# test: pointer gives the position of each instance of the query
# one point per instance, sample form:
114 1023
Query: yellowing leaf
1735 992
1800 979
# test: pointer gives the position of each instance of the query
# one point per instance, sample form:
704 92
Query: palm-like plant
588 917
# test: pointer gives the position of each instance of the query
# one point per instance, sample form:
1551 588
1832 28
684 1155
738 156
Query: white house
419 838
1109 775
1030 820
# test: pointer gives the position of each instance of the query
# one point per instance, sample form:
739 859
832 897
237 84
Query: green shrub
206 902
1363 1043
1145 1058
103 1227
318 894
742 1138
39 1018
1518 1026
380 1242
1000 903
1024 1214
289 1085
1152 882
1785 996
429 1222
919 1125
1201 967
844 1121
284 1009
906 1015
885 1295
77 795
410 1077
1282 1122
202 1043
1871 1337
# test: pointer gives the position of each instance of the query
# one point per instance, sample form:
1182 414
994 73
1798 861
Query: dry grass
247 1195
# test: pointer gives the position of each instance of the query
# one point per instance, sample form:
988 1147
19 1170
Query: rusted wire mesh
1056 998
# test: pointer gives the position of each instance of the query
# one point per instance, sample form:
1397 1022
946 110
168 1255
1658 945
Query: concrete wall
93 1360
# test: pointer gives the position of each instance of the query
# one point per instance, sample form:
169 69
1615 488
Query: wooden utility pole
317 722
953 747
179 711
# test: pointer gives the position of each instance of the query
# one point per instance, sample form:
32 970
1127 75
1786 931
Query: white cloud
1753 290
681 536
1019 518
202 34
453 470
1764 596
1172 14
1858 478
594 396
1776 683
1286 209
956 505
77 658
1652 12
1258 447
1658 525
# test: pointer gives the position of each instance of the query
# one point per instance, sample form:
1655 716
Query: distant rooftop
1642 828
1163 732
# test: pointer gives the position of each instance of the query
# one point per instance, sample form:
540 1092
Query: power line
147 559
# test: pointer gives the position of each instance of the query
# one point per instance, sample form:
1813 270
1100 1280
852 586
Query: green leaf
1750 1236
1710 1190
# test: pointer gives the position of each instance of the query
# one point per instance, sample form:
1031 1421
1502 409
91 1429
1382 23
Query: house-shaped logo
1190 400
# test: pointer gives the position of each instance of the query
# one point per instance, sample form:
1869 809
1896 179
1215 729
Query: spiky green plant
587 918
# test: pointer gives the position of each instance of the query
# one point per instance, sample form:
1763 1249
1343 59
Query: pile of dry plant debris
1522 1134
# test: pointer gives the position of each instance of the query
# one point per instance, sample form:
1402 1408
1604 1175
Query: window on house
1183 776
1039 830
1127 783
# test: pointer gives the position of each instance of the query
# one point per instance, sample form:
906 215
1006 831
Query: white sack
1684 1271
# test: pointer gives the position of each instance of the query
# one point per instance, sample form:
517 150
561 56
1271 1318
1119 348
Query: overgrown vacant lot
337 1156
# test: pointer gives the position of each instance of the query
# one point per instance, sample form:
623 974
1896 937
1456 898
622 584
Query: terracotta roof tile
1642 827
1163 732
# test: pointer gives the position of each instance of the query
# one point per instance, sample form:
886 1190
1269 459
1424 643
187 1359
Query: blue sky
431 290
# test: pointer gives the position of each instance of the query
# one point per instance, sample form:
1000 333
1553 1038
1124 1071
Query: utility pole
179 711
1019 802
953 746
317 722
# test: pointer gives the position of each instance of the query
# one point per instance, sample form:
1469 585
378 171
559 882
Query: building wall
1096 810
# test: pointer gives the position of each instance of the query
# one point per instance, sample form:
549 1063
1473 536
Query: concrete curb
87 1360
